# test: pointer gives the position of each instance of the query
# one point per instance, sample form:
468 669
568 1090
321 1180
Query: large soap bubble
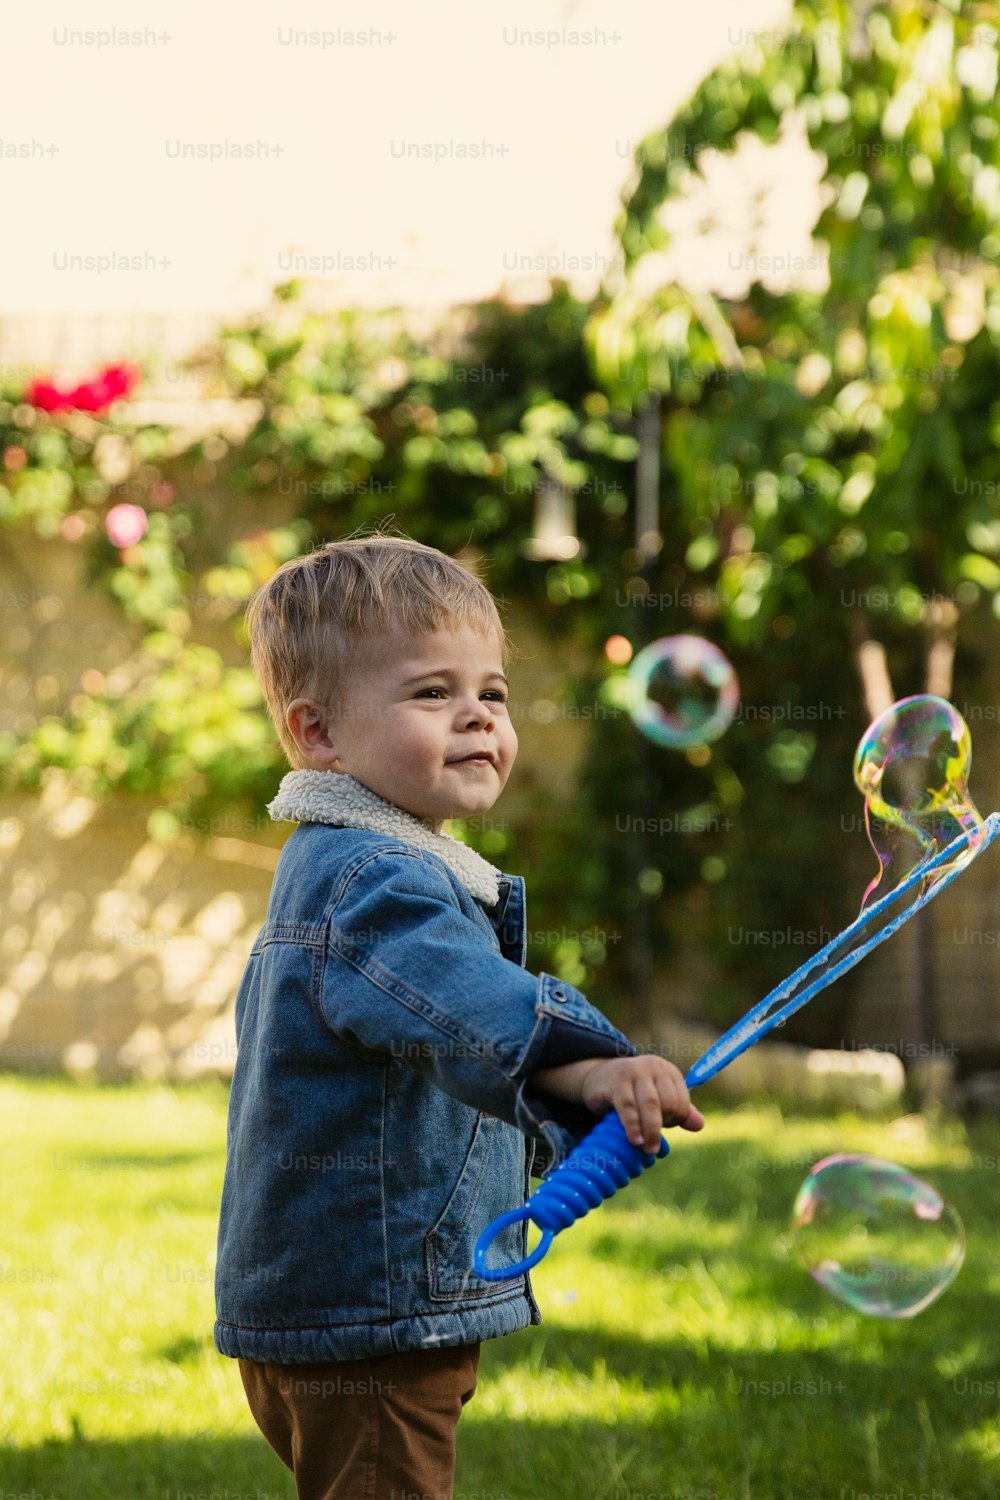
877 1237
912 764
682 691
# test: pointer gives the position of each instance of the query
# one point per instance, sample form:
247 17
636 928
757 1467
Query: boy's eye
489 693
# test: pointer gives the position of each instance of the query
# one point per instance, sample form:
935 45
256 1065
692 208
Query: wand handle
604 1161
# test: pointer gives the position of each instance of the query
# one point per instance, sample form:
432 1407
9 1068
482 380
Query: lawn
685 1353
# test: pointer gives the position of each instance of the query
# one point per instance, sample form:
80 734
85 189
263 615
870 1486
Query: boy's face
408 740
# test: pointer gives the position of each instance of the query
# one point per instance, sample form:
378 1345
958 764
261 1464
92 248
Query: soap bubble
876 1237
682 691
912 764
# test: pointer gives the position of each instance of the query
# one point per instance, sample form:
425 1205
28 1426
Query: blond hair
312 622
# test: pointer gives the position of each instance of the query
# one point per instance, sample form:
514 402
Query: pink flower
126 524
43 394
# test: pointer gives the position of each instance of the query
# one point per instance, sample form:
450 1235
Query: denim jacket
380 1114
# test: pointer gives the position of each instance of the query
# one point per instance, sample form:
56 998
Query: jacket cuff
572 1029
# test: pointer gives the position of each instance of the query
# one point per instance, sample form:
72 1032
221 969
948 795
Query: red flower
93 395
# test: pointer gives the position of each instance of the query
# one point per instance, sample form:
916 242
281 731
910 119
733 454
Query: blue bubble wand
605 1160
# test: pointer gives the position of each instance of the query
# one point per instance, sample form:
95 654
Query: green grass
685 1353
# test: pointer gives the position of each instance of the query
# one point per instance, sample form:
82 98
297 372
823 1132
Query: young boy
400 1075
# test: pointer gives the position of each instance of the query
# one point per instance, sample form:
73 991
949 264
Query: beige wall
119 953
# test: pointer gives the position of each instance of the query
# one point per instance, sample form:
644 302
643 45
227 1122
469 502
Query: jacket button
558 995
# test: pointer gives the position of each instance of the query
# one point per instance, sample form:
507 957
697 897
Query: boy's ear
308 725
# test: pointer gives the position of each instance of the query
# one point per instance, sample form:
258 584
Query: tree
831 434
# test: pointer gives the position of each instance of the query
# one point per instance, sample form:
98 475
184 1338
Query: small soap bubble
912 764
877 1238
682 691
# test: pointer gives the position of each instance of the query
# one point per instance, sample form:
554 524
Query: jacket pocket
490 1182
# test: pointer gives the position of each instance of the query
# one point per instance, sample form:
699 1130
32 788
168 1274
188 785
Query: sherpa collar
337 798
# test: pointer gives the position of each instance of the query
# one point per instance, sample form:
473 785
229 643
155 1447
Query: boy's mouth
475 758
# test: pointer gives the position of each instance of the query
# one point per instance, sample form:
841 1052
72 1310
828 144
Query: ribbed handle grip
604 1161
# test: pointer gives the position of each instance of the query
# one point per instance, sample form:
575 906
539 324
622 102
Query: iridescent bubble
912 764
876 1237
682 691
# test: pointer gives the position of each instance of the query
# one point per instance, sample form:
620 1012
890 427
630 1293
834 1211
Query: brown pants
381 1428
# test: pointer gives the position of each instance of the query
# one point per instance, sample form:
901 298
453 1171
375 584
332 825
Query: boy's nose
478 713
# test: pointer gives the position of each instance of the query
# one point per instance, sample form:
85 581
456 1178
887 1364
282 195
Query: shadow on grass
752 1407
185 1349
783 1425
147 1468
726 1441
129 1161
847 1407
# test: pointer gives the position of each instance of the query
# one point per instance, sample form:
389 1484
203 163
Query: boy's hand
648 1092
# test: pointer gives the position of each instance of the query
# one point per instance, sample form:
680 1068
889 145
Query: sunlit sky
101 141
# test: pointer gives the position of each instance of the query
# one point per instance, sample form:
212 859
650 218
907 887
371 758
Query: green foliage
852 434
831 455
